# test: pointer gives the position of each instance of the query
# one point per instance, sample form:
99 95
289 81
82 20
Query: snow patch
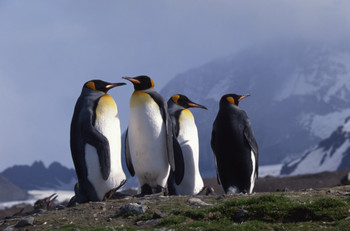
35 195
322 126
346 127
270 170
311 163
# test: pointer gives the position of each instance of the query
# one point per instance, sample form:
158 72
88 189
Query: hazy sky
48 49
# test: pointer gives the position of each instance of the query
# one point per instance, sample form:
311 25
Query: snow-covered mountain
330 154
300 93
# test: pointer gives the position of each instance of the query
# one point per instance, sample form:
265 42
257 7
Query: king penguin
149 149
186 134
95 143
234 146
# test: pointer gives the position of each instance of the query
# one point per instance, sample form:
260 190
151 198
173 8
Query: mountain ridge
37 176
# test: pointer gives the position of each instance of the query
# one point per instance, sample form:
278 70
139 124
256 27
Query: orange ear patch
175 98
91 85
152 83
231 100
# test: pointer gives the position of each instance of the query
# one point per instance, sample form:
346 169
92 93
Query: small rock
197 202
139 223
9 228
240 215
152 222
158 214
347 219
25 222
133 208
330 191
142 202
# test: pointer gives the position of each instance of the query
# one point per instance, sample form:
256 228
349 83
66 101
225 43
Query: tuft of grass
272 208
171 221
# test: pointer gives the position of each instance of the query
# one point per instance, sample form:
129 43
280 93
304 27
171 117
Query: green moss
172 220
271 208
145 217
195 214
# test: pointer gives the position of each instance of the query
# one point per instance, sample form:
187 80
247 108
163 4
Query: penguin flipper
249 136
170 142
217 178
171 185
168 126
128 156
100 142
212 142
179 162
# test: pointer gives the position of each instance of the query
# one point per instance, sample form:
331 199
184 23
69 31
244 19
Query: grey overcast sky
48 49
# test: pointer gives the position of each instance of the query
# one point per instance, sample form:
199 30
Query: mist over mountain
300 93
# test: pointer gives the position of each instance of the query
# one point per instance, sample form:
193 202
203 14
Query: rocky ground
295 203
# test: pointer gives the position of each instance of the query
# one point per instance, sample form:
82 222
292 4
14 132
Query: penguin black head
142 82
99 85
185 102
233 98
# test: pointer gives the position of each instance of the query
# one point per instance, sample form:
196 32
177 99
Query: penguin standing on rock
149 149
234 146
95 143
186 139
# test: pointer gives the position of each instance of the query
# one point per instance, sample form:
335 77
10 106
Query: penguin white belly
107 123
192 181
147 141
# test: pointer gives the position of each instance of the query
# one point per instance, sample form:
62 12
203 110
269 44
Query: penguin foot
146 190
210 191
161 190
109 194
206 190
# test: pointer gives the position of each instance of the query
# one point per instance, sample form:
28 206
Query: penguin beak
110 86
243 96
191 104
134 81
